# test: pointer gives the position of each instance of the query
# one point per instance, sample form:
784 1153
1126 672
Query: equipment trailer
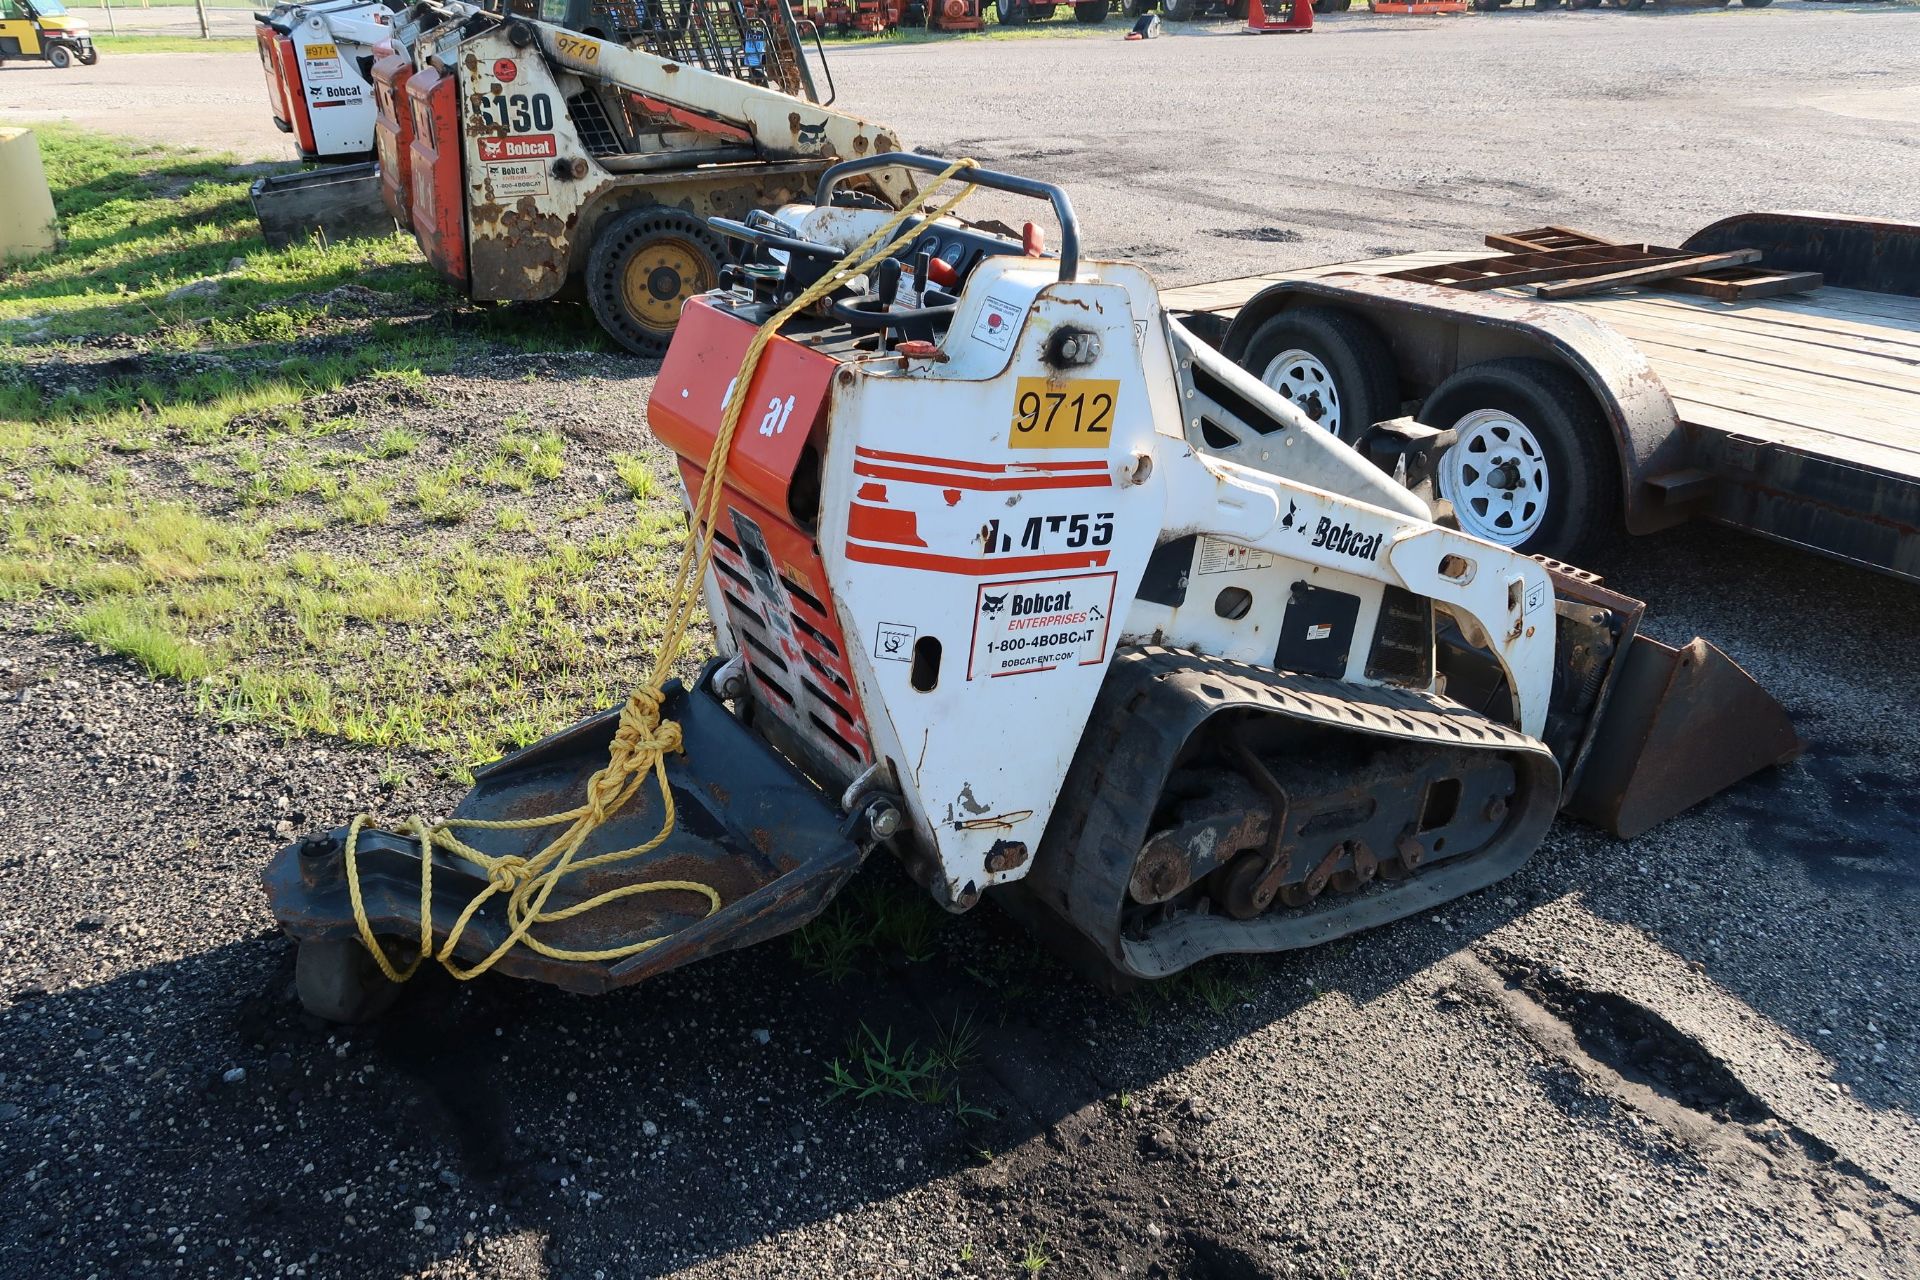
1795 416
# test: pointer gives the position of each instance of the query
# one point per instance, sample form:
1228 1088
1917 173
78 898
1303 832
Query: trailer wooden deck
1834 372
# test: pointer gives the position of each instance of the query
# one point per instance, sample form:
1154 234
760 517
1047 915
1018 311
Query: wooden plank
1847 305
1510 269
1900 372
1733 286
1543 238
1824 394
1709 416
1865 334
1890 422
1648 274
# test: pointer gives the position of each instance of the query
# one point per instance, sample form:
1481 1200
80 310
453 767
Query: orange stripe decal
1000 468
999 483
967 567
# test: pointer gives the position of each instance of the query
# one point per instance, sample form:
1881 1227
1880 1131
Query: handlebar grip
1010 183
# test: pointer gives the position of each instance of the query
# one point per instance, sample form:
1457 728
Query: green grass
141 221
113 45
190 498
874 1068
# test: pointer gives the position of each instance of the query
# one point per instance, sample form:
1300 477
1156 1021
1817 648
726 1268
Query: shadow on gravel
1799 890
630 1134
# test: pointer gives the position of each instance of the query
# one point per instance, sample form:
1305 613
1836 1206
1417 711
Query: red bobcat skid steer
1015 576
533 162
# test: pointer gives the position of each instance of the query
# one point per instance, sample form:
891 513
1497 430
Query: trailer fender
1435 331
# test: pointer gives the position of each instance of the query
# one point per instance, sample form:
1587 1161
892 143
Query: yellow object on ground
27 225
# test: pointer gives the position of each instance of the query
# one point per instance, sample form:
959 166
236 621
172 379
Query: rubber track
1152 702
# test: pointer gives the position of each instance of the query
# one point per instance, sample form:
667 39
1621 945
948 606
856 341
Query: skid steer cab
43 31
1012 575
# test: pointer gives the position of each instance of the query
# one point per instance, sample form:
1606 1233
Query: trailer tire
59 56
1755 4
1179 10
1090 12
337 980
1331 364
1332 6
1010 13
1540 429
644 265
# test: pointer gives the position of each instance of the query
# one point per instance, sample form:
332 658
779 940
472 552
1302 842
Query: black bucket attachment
773 846
1679 725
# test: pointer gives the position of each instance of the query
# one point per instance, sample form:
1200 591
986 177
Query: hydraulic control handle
1062 207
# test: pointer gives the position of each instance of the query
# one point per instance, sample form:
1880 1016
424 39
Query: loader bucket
1679 725
749 825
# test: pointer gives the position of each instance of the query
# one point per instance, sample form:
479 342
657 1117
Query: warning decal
1026 625
1219 556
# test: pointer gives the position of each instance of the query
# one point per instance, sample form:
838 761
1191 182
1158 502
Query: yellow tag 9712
1068 413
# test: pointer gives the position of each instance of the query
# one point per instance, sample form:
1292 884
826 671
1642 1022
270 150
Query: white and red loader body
1015 575
318 60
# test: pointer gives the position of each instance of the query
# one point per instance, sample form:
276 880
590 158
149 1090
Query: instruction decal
893 641
997 323
1027 625
1220 556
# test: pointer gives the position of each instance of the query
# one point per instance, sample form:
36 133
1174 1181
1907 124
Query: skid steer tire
1332 364
1332 6
60 56
644 266
338 981
1534 467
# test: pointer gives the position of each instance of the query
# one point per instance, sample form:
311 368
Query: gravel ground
1690 1054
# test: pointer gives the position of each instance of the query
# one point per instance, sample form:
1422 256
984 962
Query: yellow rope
641 740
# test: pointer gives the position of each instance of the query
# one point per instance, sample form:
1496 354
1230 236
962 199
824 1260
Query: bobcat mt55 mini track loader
1012 574
534 162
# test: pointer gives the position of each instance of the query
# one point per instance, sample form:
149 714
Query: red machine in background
873 17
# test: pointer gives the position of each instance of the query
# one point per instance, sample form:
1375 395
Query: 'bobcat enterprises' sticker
1026 625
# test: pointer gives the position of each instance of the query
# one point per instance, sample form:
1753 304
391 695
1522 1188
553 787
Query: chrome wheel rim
1496 477
1304 380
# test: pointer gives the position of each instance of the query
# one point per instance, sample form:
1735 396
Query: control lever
922 264
887 286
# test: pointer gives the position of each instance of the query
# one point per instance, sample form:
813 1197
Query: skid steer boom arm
772 124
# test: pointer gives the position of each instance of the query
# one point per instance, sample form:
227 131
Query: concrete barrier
27 224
